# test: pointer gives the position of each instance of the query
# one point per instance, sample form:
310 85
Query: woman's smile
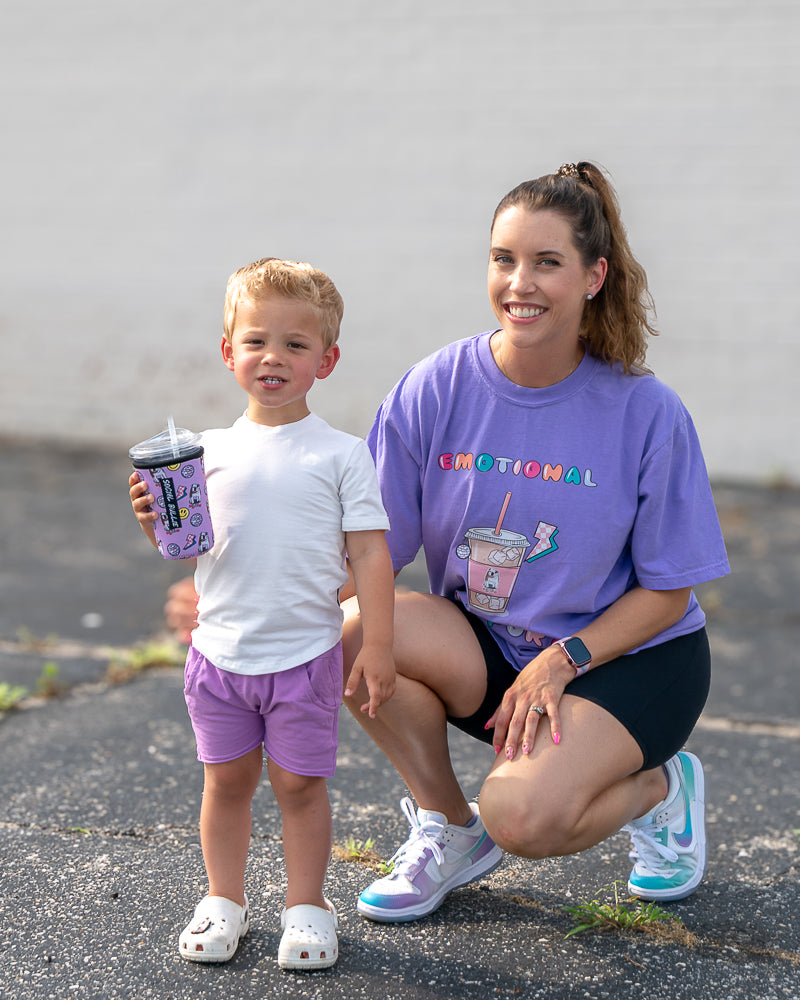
523 312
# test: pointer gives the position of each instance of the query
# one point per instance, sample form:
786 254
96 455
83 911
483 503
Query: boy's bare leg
225 822
307 833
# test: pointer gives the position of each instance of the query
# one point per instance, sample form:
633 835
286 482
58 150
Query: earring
589 296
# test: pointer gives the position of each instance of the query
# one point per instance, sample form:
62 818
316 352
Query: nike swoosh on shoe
685 837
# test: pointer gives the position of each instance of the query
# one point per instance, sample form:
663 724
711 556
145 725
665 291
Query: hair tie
568 170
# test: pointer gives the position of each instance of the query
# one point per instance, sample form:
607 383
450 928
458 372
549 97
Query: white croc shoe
214 932
309 937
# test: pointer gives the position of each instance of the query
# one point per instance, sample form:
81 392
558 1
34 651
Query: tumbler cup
171 463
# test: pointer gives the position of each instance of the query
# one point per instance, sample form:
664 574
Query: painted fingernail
497 749
556 738
486 726
510 753
526 748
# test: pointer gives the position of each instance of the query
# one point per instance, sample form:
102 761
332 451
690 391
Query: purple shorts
294 713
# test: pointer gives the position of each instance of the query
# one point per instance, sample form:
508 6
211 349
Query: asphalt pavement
100 864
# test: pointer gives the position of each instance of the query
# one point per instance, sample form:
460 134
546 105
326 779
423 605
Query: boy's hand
142 501
378 671
371 566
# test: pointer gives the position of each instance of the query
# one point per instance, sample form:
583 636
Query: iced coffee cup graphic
171 463
495 556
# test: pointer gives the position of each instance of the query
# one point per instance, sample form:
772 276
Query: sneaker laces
407 858
650 851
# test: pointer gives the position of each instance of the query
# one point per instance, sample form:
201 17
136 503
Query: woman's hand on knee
531 701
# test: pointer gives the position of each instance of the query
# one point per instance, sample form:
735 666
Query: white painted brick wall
151 148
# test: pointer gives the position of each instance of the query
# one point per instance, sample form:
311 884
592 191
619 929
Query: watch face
578 652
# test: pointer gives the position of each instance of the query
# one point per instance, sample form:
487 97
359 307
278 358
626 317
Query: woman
561 498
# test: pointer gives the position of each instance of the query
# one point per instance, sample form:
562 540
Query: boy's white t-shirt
281 499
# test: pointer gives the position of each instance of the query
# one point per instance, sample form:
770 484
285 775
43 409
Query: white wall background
149 149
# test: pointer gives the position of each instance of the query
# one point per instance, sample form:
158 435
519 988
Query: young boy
289 496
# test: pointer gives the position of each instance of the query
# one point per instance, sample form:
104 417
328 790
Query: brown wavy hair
616 323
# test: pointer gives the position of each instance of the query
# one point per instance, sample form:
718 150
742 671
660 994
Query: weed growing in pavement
33 643
11 695
48 684
621 914
128 663
362 852
357 850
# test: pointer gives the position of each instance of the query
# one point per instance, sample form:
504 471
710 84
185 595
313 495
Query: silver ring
538 709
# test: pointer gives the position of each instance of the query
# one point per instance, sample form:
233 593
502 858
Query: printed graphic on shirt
494 557
537 639
461 461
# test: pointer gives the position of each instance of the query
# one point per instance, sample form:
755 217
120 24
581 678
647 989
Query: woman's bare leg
558 800
440 669
564 798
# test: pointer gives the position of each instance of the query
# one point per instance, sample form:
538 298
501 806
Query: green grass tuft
11 695
619 914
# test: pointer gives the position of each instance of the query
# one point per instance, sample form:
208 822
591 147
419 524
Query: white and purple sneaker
436 858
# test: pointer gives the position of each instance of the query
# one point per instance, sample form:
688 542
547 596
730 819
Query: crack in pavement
784 730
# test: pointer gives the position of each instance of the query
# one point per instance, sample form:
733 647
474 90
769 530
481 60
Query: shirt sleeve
362 509
677 540
400 477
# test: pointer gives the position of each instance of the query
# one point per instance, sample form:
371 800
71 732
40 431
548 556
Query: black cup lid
159 450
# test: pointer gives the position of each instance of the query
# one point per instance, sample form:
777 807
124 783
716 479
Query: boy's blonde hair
291 278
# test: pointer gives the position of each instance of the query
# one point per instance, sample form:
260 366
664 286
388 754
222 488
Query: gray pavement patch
100 864
70 547
119 763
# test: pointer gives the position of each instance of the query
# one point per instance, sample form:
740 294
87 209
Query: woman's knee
522 822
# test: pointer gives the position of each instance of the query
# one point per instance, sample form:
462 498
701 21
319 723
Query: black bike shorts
657 693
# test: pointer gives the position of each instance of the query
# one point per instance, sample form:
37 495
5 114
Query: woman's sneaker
669 843
436 858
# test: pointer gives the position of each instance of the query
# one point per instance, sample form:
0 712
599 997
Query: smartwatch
576 653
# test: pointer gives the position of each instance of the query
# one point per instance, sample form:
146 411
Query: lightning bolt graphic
546 535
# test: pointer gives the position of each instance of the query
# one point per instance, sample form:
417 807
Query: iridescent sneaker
436 858
669 843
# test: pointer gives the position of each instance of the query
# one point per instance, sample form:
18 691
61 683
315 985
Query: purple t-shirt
538 508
